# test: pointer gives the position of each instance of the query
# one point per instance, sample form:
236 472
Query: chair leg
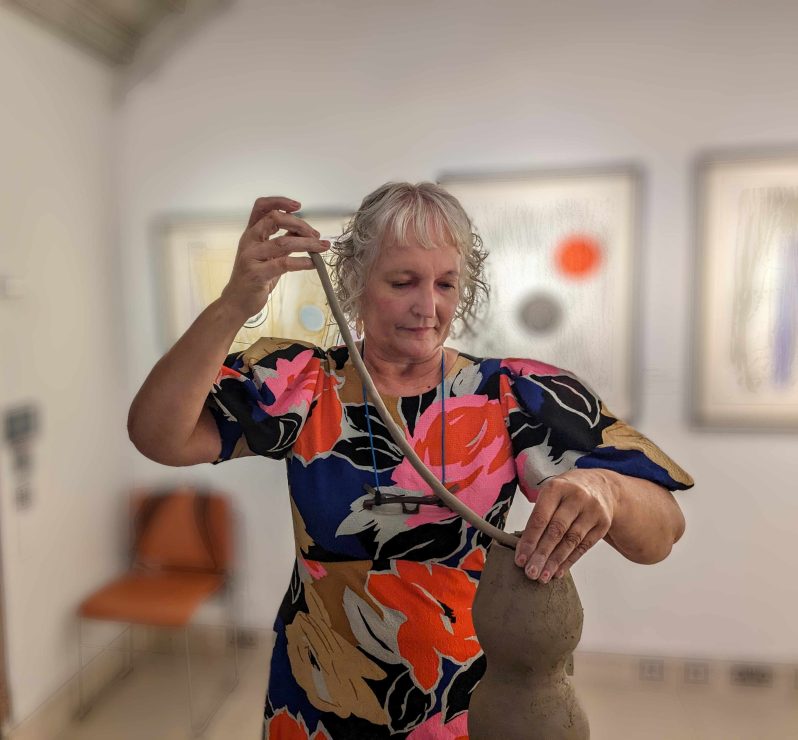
82 709
195 728
129 657
233 625
84 705
198 727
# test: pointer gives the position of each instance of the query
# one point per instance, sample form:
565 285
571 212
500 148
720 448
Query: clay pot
528 631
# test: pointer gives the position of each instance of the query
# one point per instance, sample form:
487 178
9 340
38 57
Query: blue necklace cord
443 419
443 424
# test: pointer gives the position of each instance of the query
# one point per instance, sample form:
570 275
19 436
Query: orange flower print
436 603
475 560
227 372
323 429
478 455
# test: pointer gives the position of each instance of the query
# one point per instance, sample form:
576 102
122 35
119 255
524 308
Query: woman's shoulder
267 351
511 366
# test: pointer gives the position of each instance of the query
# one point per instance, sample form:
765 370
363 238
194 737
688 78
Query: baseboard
694 674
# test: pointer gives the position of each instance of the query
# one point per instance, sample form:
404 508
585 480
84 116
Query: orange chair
182 557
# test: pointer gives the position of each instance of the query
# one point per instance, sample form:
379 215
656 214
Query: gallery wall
323 101
62 351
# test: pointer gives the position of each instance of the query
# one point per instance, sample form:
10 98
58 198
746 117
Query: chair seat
161 598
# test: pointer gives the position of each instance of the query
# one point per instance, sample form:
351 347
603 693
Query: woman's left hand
573 512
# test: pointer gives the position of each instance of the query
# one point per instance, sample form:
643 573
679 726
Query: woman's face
410 299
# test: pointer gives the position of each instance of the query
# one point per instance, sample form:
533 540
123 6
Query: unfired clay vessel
528 631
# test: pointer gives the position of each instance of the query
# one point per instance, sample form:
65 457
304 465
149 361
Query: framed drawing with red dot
745 344
195 256
562 250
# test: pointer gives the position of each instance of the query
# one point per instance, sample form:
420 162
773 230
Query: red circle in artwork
578 255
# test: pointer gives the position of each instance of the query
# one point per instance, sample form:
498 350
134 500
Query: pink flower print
520 366
292 384
478 455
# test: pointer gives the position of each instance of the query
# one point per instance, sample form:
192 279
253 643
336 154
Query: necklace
410 504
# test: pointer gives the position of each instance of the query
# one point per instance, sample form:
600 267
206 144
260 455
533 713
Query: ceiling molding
109 29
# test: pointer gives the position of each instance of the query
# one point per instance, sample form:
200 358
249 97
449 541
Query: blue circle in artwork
311 317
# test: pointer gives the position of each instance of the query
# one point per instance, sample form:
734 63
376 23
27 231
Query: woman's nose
425 302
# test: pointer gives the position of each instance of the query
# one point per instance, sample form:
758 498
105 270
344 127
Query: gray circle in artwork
311 317
258 318
540 313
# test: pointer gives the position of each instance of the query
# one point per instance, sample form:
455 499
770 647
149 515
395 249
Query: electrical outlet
246 638
652 669
752 674
23 495
696 671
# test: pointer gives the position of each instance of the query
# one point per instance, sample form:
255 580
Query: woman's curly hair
392 210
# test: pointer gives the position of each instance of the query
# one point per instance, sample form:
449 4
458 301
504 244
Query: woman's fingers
548 535
280 265
273 221
263 275
568 519
262 256
546 505
580 537
285 245
272 203
591 538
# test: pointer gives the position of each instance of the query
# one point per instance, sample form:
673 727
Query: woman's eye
399 285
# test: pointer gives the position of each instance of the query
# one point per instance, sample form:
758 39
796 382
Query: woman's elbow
146 442
672 533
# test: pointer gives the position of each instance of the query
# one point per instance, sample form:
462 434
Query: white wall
62 348
323 100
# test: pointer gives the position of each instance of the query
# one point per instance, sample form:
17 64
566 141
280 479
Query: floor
150 704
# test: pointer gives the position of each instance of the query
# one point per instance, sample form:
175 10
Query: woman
374 637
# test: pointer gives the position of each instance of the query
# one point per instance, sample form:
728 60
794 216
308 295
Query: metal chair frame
198 726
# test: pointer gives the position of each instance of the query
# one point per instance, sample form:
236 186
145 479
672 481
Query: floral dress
374 637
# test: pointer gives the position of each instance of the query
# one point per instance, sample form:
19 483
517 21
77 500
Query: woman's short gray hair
393 210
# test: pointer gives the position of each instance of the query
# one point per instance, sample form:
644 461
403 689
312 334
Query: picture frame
744 355
195 255
562 267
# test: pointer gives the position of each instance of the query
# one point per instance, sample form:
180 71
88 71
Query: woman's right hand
262 257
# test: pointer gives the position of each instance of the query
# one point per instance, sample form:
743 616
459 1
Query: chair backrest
182 529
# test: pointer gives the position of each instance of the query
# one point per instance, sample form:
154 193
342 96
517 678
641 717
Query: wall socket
751 674
652 669
696 671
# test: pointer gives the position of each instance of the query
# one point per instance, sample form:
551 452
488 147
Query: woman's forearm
165 412
647 521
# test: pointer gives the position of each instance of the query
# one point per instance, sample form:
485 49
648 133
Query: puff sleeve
556 423
262 397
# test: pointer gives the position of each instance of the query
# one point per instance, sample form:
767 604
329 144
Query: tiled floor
150 704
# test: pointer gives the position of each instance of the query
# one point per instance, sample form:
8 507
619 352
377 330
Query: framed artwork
196 259
561 269
745 348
